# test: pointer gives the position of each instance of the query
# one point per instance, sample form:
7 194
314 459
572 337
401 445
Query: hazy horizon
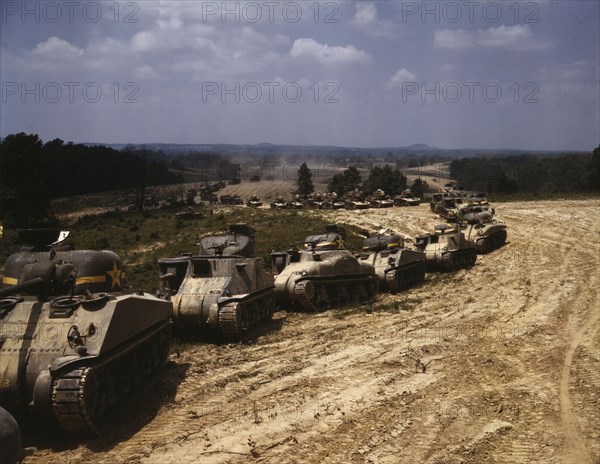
452 75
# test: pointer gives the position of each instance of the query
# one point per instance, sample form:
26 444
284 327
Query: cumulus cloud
517 37
365 19
57 49
402 75
325 54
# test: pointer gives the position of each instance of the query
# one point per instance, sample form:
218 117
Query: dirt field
498 364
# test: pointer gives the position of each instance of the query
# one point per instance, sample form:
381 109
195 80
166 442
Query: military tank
481 228
223 290
380 199
396 266
324 274
447 249
75 344
254 201
279 203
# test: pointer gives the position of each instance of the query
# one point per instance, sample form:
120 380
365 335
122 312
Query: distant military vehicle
296 203
356 201
254 201
231 200
76 346
478 199
223 289
406 199
279 203
448 208
480 227
380 199
447 249
316 201
397 267
324 274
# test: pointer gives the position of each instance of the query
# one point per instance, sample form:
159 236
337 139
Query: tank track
241 317
401 279
492 242
461 259
319 295
85 399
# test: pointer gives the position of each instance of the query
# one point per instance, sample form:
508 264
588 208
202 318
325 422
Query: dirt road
497 364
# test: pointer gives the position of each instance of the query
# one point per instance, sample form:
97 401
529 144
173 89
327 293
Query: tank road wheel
231 321
305 294
391 279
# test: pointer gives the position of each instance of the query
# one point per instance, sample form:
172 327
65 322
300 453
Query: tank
406 199
380 199
224 290
254 201
447 249
481 228
75 344
396 266
356 201
279 203
449 207
322 275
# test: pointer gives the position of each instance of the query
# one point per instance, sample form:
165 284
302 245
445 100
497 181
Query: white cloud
580 78
402 75
57 49
365 19
145 72
328 54
517 37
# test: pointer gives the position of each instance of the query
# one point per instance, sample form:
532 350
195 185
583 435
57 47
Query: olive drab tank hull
323 275
397 268
224 290
447 249
75 346
487 236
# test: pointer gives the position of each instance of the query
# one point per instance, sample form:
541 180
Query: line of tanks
76 342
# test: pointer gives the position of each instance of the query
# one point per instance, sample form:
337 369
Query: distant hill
269 149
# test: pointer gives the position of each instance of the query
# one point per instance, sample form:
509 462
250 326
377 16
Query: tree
419 188
594 170
304 181
345 181
25 199
385 178
505 184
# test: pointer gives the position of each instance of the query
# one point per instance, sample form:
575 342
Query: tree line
575 172
32 173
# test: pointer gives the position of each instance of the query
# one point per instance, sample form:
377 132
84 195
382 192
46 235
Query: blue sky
501 74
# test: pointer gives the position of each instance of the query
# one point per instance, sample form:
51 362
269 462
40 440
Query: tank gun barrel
15 289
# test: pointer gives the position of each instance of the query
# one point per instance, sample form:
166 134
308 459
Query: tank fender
42 395
64 361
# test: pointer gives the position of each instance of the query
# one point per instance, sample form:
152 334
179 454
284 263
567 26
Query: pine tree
304 181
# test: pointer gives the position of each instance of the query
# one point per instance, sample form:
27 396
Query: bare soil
496 364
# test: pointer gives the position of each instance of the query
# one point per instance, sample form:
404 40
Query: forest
528 173
33 172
